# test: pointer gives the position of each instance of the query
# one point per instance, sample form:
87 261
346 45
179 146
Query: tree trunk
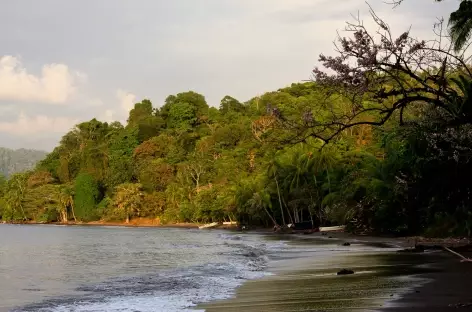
72 208
280 200
311 218
295 214
270 216
64 215
320 216
288 210
23 212
329 180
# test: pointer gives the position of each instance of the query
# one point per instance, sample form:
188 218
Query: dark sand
450 289
385 280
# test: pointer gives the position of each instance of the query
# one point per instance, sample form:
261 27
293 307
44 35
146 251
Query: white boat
332 228
208 226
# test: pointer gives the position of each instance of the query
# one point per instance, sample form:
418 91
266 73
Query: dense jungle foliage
388 151
188 162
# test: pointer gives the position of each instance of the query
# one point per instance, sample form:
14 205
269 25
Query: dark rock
347 244
345 272
330 237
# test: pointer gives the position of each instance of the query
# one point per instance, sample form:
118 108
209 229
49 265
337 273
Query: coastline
304 275
384 279
141 222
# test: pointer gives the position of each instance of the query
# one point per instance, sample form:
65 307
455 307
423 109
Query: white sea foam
178 289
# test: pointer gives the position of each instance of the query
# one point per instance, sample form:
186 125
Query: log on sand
463 259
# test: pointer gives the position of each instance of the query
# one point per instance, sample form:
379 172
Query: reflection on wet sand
313 285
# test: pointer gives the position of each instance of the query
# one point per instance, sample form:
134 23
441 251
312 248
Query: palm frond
460 25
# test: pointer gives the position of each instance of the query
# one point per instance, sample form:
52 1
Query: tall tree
184 110
272 172
230 104
128 200
121 168
87 196
146 120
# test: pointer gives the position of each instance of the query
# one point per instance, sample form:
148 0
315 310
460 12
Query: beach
111 268
448 289
384 279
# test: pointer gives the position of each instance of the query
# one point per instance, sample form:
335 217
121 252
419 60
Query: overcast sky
65 61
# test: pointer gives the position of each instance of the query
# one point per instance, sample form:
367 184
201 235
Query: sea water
59 268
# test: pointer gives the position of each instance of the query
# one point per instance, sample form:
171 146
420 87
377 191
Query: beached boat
208 226
332 228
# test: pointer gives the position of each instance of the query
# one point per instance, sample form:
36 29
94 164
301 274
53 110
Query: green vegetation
382 143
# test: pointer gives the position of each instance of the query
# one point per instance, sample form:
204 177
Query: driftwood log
463 259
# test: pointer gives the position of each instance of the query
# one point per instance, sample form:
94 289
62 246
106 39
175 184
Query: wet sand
385 280
450 288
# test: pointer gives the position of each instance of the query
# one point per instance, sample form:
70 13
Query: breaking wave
178 289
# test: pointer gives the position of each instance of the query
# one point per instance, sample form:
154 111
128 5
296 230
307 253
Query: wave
178 289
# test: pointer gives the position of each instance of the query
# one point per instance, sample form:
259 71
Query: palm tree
66 201
272 173
460 25
297 169
16 193
249 193
323 161
262 200
461 101
295 177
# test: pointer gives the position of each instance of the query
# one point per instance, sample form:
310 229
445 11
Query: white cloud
26 125
241 48
95 103
295 5
4 109
108 116
127 100
55 85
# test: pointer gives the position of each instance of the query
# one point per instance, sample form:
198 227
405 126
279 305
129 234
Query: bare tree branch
380 76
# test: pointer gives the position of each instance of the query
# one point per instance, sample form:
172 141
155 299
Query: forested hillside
380 140
13 161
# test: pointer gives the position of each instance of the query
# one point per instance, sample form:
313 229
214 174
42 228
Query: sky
63 62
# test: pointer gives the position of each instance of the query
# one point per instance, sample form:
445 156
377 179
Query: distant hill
13 161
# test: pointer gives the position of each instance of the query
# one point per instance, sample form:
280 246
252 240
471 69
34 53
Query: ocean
58 268
46 268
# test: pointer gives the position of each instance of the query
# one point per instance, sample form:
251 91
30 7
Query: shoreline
139 223
447 289
404 241
384 280
304 274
